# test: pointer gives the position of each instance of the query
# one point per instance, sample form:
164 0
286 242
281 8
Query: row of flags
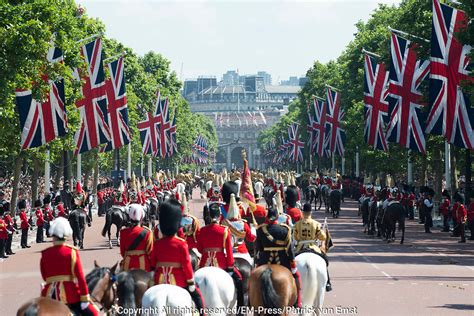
242 118
290 150
200 153
326 135
394 103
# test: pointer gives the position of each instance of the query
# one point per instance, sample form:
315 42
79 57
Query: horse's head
101 283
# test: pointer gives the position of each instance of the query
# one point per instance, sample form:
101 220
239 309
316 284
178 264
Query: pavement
431 274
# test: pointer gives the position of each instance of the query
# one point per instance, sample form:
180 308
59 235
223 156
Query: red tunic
8 221
260 211
213 240
295 214
61 212
470 213
444 207
139 257
461 213
123 202
48 213
24 220
171 262
242 248
39 217
3 230
100 198
191 236
412 199
61 269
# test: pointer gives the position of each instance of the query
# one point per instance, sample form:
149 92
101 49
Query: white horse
313 272
217 288
181 189
169 300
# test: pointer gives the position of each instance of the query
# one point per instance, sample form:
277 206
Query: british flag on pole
295 144
319 126
172 144
43 121
162 112
336 135
375 103
450 113
117 106
94 128
406 125
148 134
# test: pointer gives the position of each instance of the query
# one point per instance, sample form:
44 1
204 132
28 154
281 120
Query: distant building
267 78
292 81
303 81
230 78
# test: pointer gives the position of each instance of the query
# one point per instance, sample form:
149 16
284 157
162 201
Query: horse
313 193
313 272
393 214
101 282
77 218
119 218
272 286
167 299
43 306
131 286
324 197
217 288
364 210
152 211
335 202
245 268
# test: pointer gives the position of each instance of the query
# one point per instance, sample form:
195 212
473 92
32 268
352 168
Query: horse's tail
126 290
108 223
269 295
32 309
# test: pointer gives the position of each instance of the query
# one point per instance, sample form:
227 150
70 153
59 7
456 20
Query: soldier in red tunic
461 216
189 224
61 269
3 237
101 200
10 228
170 258
39 222
291 195
47 213
136 242
24 225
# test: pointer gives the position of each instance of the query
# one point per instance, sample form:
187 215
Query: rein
98 303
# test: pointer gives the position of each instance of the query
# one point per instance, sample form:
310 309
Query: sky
283 38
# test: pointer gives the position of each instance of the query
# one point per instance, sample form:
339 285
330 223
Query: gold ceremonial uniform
306 233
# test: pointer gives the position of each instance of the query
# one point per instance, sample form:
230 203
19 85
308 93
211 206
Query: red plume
176 195
78 187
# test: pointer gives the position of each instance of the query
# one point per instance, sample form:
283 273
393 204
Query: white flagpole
447 165
333 167
357 162
129 164
47 176
343 167
79 169
410 168
149 167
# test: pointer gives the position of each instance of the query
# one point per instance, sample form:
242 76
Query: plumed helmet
233 212
227 189
37 203
22 204
170 217
184 204
47 199
60 228
136 212
278 203
214 211
78 187
291 195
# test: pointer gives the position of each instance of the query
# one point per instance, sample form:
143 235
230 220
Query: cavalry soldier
283 218
291 197
306 233
214 242
189 224
214 193
136 242
80 200
274 246
229 188
150 191
61 269
39 222
24 225
444 209
66 197
170 257
101 200
240 230
10 227
48 213
120 197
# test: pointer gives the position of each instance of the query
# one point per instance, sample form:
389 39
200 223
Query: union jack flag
295 144
117 106
94 128
148 135
43 121
450 112
319 126
172 144
375 103
336 135
162 112
406 123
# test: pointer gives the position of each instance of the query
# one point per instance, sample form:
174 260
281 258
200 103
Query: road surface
431 274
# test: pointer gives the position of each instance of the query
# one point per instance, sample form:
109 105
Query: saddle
322 255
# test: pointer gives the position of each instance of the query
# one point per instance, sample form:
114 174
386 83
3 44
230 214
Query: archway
221 156
236 157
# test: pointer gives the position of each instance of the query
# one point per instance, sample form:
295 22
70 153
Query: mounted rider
229 188
214 193
62 271
274 246
189 224
291 198
136 242
170 258
80 199
282 218
307 233
120 196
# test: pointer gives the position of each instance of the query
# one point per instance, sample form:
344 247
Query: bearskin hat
37 203
446 194
227 189
22 204
459 197
47 199
291 195
272 213
214 211
170 217
307 208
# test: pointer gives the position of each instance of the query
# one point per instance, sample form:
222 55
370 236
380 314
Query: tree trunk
424 167
96 176
16 181
454 178
437 171
34 179
59 173
468 173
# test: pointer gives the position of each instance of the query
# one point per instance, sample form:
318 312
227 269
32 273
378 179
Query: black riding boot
198 300
328 285
239 287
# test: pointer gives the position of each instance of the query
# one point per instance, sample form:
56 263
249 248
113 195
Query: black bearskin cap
47 199
170 217
459 197
307 208
57 199
22 204
214 211
291 195
227 189
446 194
37 203
272 213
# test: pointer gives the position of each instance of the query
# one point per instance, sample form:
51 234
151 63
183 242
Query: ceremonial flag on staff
148 134
295 144
117 106
336 135
406 125
162 113
450 112
319 126
172 145
43 121
310 131
246 188
375 103
94 128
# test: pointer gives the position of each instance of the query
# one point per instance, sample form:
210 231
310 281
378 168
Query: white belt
303 242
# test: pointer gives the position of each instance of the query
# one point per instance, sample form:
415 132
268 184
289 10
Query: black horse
335 202
77 219
131 285
245 269
393 214
324 197
119 218
313 193
152 212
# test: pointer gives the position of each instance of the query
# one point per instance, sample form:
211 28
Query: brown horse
43 306
102 286
272 287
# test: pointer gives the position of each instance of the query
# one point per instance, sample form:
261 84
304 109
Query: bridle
112 284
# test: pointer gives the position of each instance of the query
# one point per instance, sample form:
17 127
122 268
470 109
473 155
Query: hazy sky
283 38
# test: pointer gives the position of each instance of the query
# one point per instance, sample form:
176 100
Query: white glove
84 305
192 288
294 270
